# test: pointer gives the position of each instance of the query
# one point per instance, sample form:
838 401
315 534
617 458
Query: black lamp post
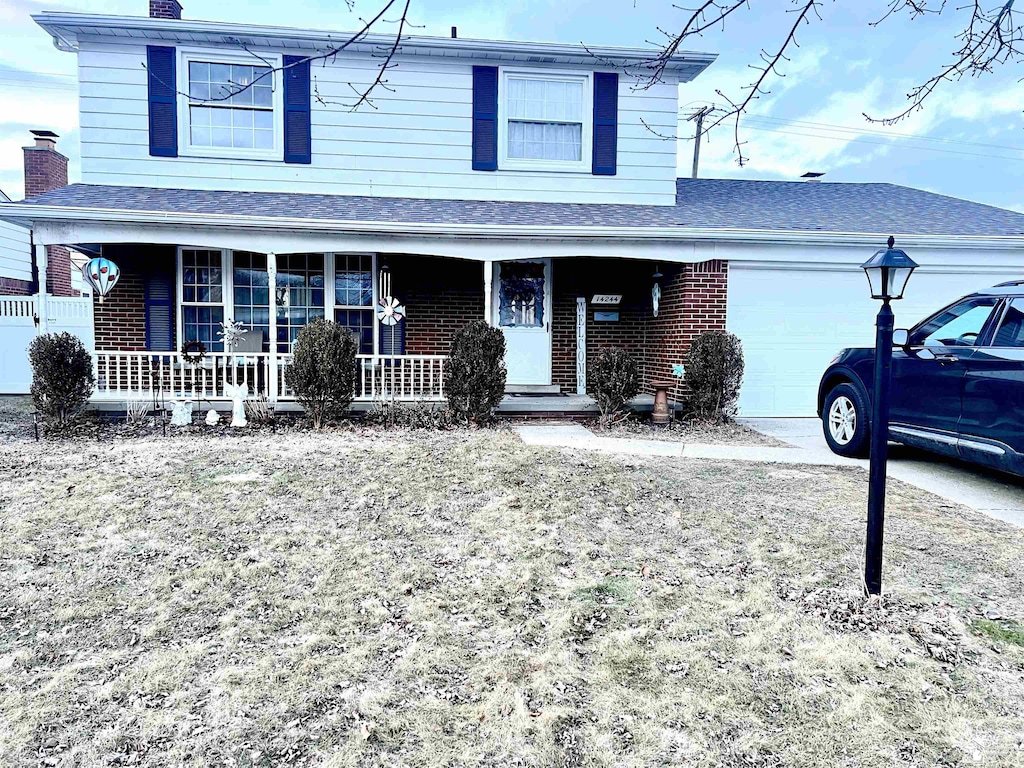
888 272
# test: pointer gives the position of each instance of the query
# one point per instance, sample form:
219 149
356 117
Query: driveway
998 495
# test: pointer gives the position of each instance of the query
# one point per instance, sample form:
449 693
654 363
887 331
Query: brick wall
440 295
11 287
164 9
121 318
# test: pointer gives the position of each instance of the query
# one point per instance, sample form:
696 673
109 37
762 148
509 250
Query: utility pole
699 117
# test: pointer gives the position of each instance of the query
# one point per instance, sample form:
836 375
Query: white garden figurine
181 413
237 395
212 418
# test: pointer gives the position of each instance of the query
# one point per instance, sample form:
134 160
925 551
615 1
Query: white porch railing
147 375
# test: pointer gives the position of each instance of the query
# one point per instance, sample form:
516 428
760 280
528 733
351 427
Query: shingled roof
782 206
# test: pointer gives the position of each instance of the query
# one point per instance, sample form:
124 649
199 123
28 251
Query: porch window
353 297
202 297
251 289
521 295
300 295
547 122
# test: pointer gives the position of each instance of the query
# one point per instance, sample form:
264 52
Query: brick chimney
164 9
47 169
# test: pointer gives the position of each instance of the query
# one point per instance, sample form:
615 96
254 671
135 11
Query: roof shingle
781 206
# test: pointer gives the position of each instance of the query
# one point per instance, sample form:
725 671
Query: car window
1011 327
958 325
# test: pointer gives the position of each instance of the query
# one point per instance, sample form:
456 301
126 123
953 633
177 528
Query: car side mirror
901 338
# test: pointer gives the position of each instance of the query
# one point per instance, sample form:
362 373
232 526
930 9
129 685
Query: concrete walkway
996 495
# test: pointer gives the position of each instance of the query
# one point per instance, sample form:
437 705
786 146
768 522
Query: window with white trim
353 297
547 121
300 295
202 297
232 108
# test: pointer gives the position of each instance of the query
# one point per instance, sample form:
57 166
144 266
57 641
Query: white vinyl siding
417 143
15 252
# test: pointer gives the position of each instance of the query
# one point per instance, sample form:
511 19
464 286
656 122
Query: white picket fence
21 321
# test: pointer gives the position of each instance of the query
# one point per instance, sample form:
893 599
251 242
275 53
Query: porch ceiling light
888 272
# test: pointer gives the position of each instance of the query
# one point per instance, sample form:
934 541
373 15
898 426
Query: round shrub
613 380
323 370
714 372
62 378
474 375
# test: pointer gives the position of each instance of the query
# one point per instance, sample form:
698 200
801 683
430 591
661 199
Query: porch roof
702 206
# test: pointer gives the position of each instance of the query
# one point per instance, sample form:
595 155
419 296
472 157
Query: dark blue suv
957 384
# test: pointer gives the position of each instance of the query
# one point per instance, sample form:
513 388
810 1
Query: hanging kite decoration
102 274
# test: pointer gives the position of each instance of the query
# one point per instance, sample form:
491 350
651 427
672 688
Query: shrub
323 370
714 372
62 378
613 380
474 376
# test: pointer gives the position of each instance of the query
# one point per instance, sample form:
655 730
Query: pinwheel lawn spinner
390 311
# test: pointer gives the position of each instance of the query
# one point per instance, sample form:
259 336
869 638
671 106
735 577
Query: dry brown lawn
449 599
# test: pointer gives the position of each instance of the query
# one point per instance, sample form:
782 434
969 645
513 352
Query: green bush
323 370
714 372
474 375
613 380
62 378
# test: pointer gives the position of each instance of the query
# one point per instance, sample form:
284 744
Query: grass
421 599
1010 633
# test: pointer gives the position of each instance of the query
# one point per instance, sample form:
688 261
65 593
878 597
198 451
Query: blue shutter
163 101
392 338
606 118
160 311
298 141
485 118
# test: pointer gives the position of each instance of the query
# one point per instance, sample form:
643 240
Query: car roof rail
1009 284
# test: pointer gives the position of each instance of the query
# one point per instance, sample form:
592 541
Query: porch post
41 265
488 276
272 360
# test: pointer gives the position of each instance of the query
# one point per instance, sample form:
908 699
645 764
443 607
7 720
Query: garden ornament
231 331
237 395
102 274
656 291
181 412
212 418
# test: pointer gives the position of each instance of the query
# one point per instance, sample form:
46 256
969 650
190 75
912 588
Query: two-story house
521 183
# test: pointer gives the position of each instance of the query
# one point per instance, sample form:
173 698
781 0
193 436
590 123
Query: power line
883 143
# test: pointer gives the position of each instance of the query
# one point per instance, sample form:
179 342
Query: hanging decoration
656 291
102 274
193 352
390 311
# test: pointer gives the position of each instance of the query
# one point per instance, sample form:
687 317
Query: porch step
532 389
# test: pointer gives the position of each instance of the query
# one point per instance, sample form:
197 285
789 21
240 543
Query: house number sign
607 298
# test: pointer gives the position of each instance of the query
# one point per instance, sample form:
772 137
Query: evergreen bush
323 370
474 375
62 378
714 373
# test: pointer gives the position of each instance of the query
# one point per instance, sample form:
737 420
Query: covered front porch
159 332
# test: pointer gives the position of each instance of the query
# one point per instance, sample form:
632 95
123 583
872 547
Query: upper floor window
232 109
547 123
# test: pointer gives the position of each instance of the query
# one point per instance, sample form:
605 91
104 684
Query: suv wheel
845 423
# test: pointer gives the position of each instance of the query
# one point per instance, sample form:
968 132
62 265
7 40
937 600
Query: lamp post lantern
888 272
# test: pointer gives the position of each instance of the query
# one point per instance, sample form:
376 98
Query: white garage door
793 321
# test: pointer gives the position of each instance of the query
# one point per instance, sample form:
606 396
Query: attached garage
793 318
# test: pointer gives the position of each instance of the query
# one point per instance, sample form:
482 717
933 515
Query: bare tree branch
324 56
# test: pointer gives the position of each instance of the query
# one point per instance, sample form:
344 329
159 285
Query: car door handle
947 358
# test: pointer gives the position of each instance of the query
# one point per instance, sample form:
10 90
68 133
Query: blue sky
967 142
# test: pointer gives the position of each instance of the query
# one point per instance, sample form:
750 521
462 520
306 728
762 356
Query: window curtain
545 119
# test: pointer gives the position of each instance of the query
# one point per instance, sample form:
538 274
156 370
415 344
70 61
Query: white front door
522 309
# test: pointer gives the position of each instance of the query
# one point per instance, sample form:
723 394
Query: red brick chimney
164 9
46 169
